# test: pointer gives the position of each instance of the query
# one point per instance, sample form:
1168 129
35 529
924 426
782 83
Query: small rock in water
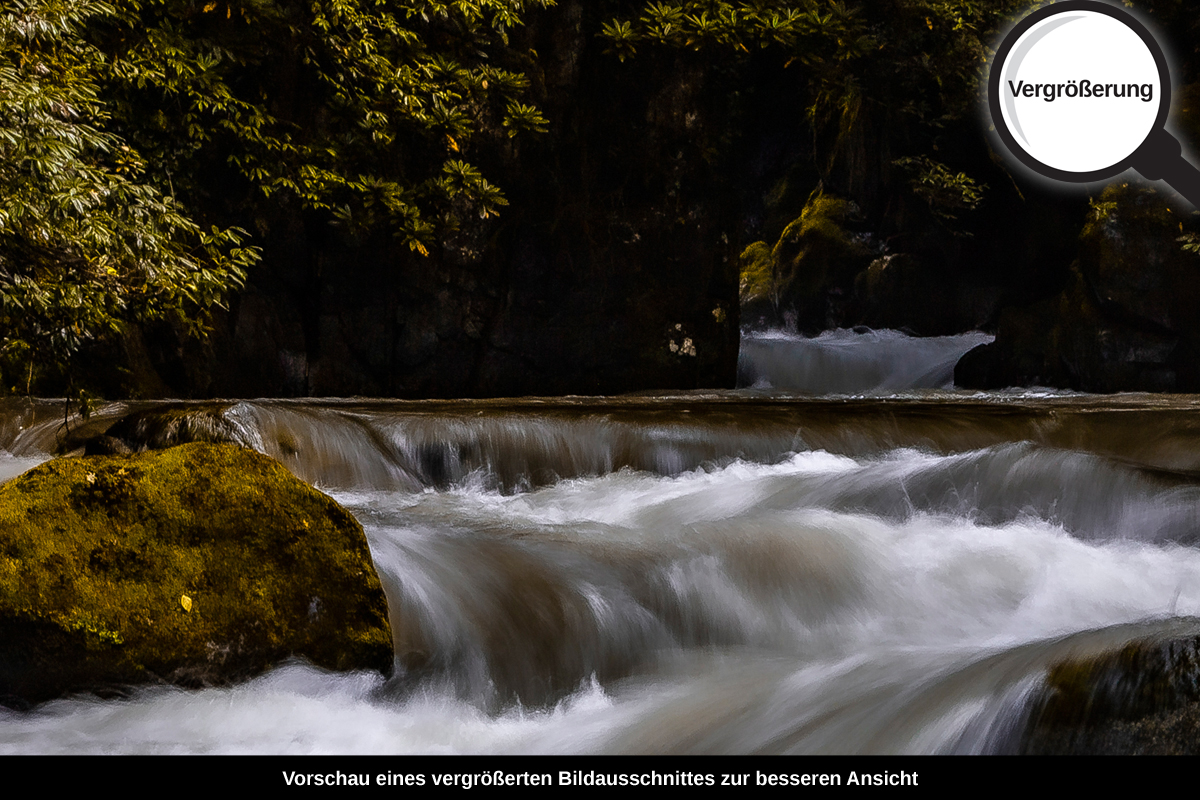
169 426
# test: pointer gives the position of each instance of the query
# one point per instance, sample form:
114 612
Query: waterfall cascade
852 362
703 573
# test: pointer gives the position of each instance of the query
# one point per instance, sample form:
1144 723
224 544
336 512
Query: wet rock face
1143 699
903 291
196 565
160 428
1128 319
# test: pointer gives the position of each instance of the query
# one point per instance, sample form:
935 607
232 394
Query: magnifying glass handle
1161 159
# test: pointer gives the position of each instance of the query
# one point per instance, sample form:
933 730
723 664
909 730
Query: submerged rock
197 565
160 428
1141 700
154 428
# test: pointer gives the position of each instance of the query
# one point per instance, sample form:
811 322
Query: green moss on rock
196 565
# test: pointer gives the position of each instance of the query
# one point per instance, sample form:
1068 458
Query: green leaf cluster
87 244
769 271
367 111
126 128
920 64
946 192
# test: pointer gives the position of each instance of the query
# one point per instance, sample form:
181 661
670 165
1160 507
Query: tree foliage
365 110
920 63
114 119
128 130
86 244
947 193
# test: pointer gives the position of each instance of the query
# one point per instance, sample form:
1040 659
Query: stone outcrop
197 565
1127 320
1141 700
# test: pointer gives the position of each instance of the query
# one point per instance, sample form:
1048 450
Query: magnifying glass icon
1080 91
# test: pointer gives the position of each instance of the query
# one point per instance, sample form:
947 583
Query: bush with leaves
947 193
807 248
87 245
364 111
919 63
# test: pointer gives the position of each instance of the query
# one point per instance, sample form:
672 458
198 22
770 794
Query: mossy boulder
196 565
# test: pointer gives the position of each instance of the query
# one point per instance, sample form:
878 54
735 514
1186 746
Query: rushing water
704 573
852 362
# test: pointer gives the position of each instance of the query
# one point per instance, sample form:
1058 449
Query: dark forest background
507 197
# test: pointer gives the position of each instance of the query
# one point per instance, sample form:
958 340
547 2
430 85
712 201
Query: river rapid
855 565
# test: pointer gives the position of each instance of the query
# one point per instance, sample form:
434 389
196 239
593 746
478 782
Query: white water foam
735 609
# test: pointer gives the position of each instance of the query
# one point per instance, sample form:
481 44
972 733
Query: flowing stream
852 362
720 572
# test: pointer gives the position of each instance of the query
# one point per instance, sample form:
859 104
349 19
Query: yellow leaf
209 7
186 602
453 144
